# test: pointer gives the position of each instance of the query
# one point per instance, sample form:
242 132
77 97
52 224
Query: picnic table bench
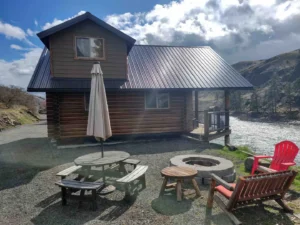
87 161
67 187
137 174
63 174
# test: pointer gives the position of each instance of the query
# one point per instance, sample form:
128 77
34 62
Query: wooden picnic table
96 159
179 173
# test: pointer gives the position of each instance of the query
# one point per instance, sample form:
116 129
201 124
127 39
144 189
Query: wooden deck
199 132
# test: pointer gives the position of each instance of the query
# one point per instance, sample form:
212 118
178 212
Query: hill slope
285 66
277 85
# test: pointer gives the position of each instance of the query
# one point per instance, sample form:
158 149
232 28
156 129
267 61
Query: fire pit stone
206 164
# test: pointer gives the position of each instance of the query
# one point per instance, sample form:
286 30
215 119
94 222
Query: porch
213 122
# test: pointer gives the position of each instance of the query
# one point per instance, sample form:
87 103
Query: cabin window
89 48
157 100
86 101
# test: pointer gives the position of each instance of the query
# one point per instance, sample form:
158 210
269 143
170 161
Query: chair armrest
289 164
263 156
219 180
265 169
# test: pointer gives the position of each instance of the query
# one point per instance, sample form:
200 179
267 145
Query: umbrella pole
102 154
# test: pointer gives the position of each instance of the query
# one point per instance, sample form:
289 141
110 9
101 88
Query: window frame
88 58
156 98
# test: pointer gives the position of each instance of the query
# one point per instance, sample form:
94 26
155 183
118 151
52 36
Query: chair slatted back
285 151
260 186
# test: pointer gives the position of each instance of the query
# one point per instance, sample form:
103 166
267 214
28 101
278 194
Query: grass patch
296 183
241 153
238 157
18 113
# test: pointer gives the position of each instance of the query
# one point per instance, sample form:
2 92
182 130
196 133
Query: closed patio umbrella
98 120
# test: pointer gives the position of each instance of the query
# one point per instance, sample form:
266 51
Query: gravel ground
28 194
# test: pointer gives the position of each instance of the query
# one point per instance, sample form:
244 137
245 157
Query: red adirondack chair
284 156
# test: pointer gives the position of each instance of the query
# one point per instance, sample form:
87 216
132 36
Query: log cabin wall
67 117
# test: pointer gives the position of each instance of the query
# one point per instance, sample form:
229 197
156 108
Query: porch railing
213 122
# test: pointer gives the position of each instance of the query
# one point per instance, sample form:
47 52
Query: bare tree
273 93
10 95
13 95
288 91
255 101
236 101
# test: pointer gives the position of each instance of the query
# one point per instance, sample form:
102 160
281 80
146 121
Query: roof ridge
173 46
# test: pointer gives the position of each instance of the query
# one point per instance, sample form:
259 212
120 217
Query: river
261 137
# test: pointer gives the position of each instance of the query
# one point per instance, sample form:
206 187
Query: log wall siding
62 51
189 113
67 116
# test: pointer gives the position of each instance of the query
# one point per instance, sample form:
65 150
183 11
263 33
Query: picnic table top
178 172
95 159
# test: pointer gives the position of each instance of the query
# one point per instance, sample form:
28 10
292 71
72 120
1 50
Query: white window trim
88 58
156 98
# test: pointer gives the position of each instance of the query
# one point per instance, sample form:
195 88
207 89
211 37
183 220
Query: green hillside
277 85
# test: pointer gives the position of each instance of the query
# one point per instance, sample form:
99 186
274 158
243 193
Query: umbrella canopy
98 120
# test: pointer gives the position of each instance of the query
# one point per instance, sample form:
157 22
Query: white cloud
287 9
30 32
57 21
14 32
36 23
266 49
228 26
11 31
17 47
19 72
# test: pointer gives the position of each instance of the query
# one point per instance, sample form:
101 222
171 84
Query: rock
249 162
8 121
16 123
231 147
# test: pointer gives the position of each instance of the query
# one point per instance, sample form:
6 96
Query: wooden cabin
149 88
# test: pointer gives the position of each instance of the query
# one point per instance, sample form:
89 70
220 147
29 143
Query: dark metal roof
154 67
44 35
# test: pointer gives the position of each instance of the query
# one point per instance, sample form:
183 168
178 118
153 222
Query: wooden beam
196 106
226 107
206 125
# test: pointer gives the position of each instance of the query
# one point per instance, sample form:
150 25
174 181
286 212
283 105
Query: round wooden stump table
179 174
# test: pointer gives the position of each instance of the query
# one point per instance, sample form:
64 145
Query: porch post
196 106
226 107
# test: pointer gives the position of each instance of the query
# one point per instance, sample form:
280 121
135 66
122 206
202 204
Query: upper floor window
89 48
157 100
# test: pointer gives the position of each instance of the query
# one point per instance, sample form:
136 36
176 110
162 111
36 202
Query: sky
238 30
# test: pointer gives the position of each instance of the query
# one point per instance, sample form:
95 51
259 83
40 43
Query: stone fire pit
206 164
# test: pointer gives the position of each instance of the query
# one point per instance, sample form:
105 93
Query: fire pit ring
206 164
